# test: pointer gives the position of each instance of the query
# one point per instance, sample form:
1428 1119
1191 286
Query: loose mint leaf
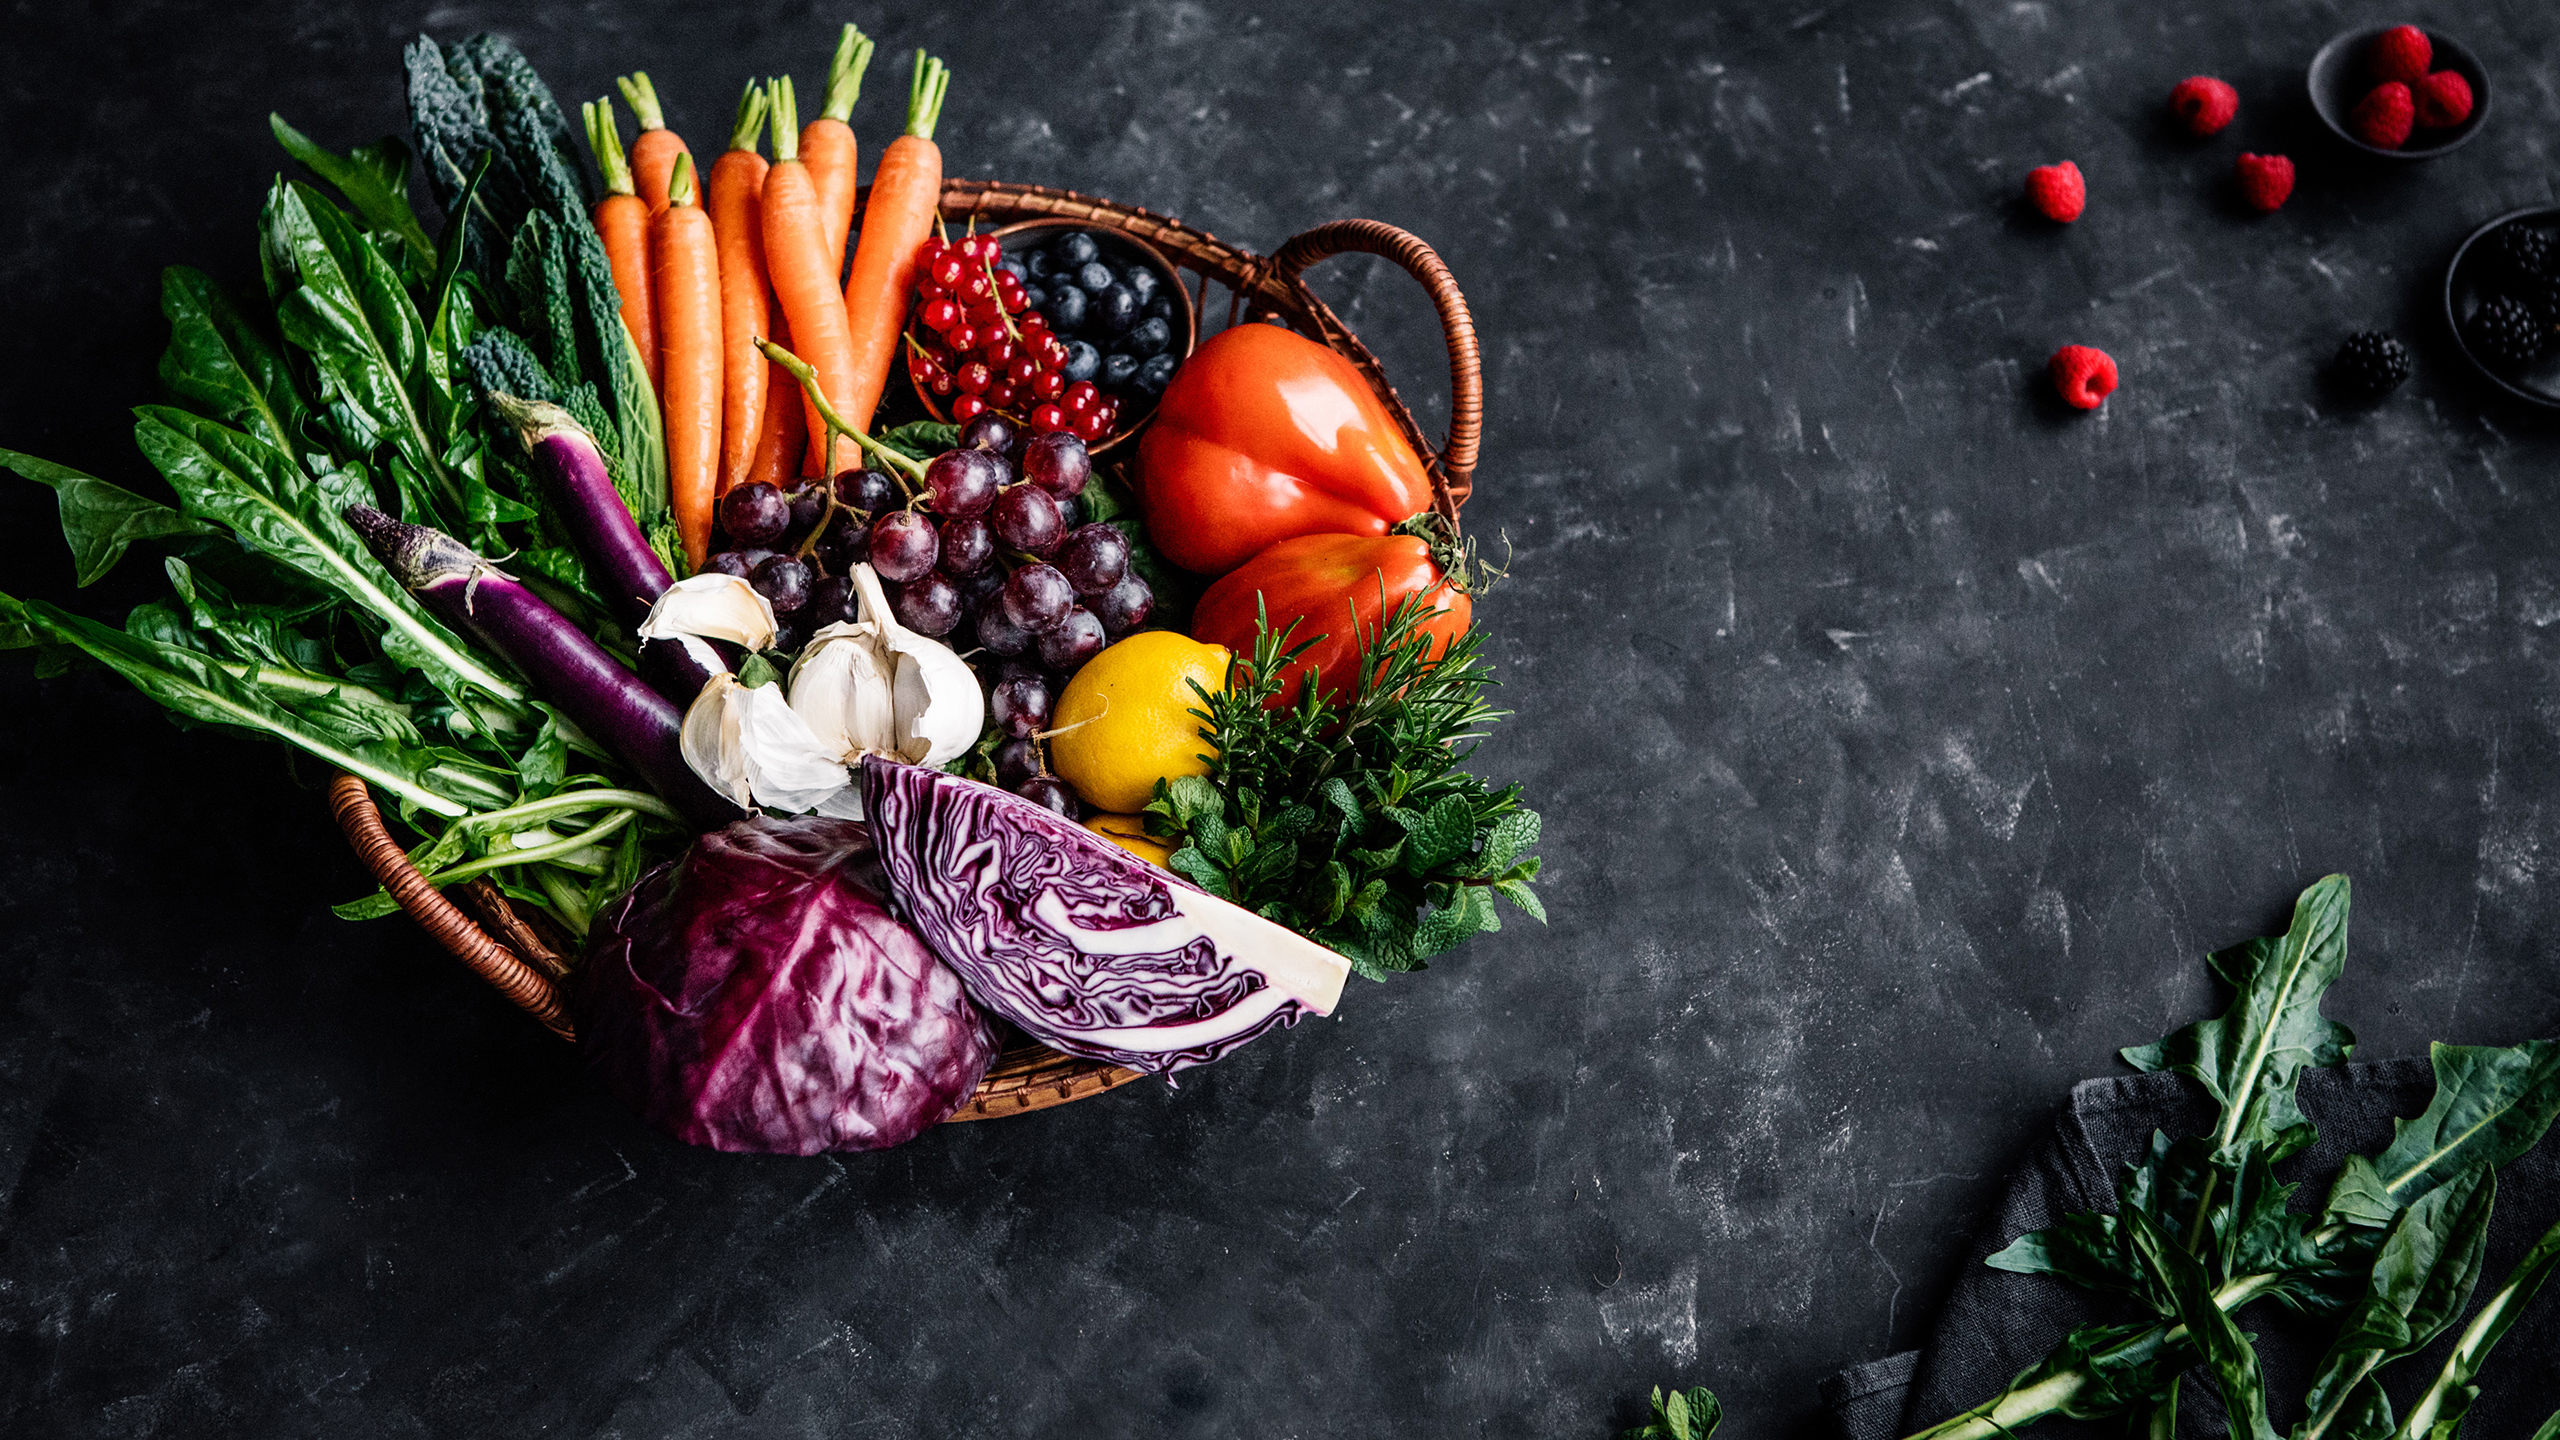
2250 1057
1681 1415
2491 1104
99 519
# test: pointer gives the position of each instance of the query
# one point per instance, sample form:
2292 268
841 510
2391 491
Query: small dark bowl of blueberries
1115 301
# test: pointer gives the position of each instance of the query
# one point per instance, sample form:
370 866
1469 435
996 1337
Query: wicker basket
519 954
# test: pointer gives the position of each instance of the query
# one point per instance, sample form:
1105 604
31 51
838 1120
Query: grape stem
910 473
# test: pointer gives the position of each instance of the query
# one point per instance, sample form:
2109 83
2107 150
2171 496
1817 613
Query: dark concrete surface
1902 736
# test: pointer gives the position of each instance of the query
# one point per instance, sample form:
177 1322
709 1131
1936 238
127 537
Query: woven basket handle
1466 362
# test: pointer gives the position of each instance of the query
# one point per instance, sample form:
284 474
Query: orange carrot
686 272
785 431
622 221
826 143
654 152
746 302
906 191
804 280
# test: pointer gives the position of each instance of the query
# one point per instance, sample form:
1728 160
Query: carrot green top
604 136
844 74
924 95
643 99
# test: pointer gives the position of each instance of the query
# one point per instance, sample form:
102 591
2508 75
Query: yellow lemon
1129 832
1127 718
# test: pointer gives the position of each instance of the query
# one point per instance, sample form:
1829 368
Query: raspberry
2382 118
2401 53
2443 100
2084 375
2057 192
2203 104
2265 180
2371 364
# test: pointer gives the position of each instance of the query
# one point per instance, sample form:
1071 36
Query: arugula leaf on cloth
2491 1105
2422 1279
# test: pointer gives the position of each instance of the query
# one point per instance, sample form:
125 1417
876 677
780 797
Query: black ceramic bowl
2339 78
2469 282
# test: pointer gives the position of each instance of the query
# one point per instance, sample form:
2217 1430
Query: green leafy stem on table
2202 1228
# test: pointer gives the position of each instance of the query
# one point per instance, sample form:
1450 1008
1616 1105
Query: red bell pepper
1339 587
1263 435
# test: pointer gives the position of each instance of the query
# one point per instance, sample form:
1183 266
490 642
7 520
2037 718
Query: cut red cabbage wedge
757 995
1087 948
624 570
564 667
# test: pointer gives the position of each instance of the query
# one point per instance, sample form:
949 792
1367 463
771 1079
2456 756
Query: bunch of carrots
708 265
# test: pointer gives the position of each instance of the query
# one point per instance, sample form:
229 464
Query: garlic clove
939 709
712 606
841 687
749 744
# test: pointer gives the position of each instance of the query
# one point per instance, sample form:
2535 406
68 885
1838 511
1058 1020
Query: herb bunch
1346 815
2201 1227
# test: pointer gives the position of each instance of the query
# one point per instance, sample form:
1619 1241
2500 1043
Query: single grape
1075 249
754 514
1052 792
830 600
1057 463
1077 639
1021 706
928 604
1067 308
1016 761
1037 597
903 545
1156 374
988 432
1094 557
753 557
1125 606
1113 311
783 581
967 545
789 636
1149 337
808 506
996 629
1024 668
1027 518
869 491
979 587
728 562
964 482
1117 371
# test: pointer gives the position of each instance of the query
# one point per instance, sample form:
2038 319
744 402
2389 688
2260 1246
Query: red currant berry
975 377
933 248
1019 370
1048 384
974 290
1080 397
947 273
1053 352
1091 427
998 351
939 313
967 408
963 339
1009 290
1000 396
1045 418
974 248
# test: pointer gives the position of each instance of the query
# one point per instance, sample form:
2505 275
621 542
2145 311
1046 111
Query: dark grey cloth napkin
1996 1324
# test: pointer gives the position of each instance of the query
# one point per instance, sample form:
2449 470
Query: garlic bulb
875 687
868 687
712 606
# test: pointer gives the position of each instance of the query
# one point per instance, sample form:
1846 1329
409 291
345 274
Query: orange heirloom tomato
1265 434
1341 587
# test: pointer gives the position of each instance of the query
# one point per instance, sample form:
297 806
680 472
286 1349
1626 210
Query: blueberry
1035 266
1013 267
1159 308
1066 310
1156 374
1113 310
1142 282
1118 370
1148 337
1033 297
1076 249
1096 277
1082 361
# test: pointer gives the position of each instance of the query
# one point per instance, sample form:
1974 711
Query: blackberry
2524 253
2372 364
2506 332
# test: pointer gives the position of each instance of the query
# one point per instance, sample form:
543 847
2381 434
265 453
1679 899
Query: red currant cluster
980 347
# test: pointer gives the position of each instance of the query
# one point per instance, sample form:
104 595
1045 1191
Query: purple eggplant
620 564
566 668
